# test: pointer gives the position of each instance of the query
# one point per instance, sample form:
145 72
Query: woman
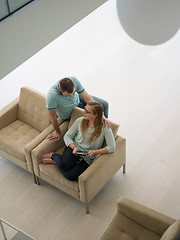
87 134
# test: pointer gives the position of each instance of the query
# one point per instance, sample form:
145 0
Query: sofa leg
87 208
124 168
34 177
3 231
37 180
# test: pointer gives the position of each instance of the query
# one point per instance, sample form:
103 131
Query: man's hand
106 122
54 135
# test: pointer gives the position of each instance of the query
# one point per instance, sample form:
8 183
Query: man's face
65 93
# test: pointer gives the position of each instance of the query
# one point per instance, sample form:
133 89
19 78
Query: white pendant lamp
149 22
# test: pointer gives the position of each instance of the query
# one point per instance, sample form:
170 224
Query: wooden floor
142 85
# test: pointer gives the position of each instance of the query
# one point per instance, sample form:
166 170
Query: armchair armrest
101 171
47 146
34 143
9 113
147 217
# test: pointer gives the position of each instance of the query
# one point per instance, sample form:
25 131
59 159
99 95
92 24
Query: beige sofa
136 221
24 123
93 179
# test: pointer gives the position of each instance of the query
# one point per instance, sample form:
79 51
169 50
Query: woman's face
88 113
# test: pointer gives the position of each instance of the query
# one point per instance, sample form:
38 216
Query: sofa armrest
34 143
101 171
47 146
9 113
145 216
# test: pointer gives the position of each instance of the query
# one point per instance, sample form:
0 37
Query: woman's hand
91 153
75 149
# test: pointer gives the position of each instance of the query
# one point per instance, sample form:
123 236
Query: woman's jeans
69 164
105 104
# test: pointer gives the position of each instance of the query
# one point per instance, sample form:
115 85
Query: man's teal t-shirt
63 104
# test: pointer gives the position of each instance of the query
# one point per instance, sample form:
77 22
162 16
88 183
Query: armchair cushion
32 109
114 128
124 228
173 232
52 170
15 136
76 113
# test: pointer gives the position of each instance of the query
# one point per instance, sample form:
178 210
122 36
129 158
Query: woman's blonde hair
98 110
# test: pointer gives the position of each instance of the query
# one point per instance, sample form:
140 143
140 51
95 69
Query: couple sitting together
87 134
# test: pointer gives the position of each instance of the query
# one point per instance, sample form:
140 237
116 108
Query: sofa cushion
32 109
15 136
114 128
123 228
76 113
173 232
53 171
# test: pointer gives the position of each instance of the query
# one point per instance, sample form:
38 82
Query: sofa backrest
78 112
32 109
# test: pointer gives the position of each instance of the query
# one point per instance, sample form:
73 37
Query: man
65 95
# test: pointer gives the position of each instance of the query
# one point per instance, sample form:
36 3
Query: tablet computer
81 153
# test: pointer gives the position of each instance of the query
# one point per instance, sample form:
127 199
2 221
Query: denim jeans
105 104
69 164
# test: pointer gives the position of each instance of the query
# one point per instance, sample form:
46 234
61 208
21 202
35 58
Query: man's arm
86 96
53 118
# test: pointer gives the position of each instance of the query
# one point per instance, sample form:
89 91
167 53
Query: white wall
25 33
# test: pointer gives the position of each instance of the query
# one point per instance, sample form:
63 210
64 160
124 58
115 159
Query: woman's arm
98 151
87 98
110 141
71 133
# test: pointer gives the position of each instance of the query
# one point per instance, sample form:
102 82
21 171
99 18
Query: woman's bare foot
48 160
45 156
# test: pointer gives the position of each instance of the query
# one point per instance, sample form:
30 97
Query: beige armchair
24 123
136 221
93 179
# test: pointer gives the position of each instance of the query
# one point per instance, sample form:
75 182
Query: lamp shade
149 22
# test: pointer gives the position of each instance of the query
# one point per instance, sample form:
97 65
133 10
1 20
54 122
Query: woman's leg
73 173
65 161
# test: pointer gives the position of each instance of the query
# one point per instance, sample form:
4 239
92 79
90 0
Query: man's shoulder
53 90
52 94
78 86
74 79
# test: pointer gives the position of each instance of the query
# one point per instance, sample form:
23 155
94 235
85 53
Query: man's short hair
66 85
